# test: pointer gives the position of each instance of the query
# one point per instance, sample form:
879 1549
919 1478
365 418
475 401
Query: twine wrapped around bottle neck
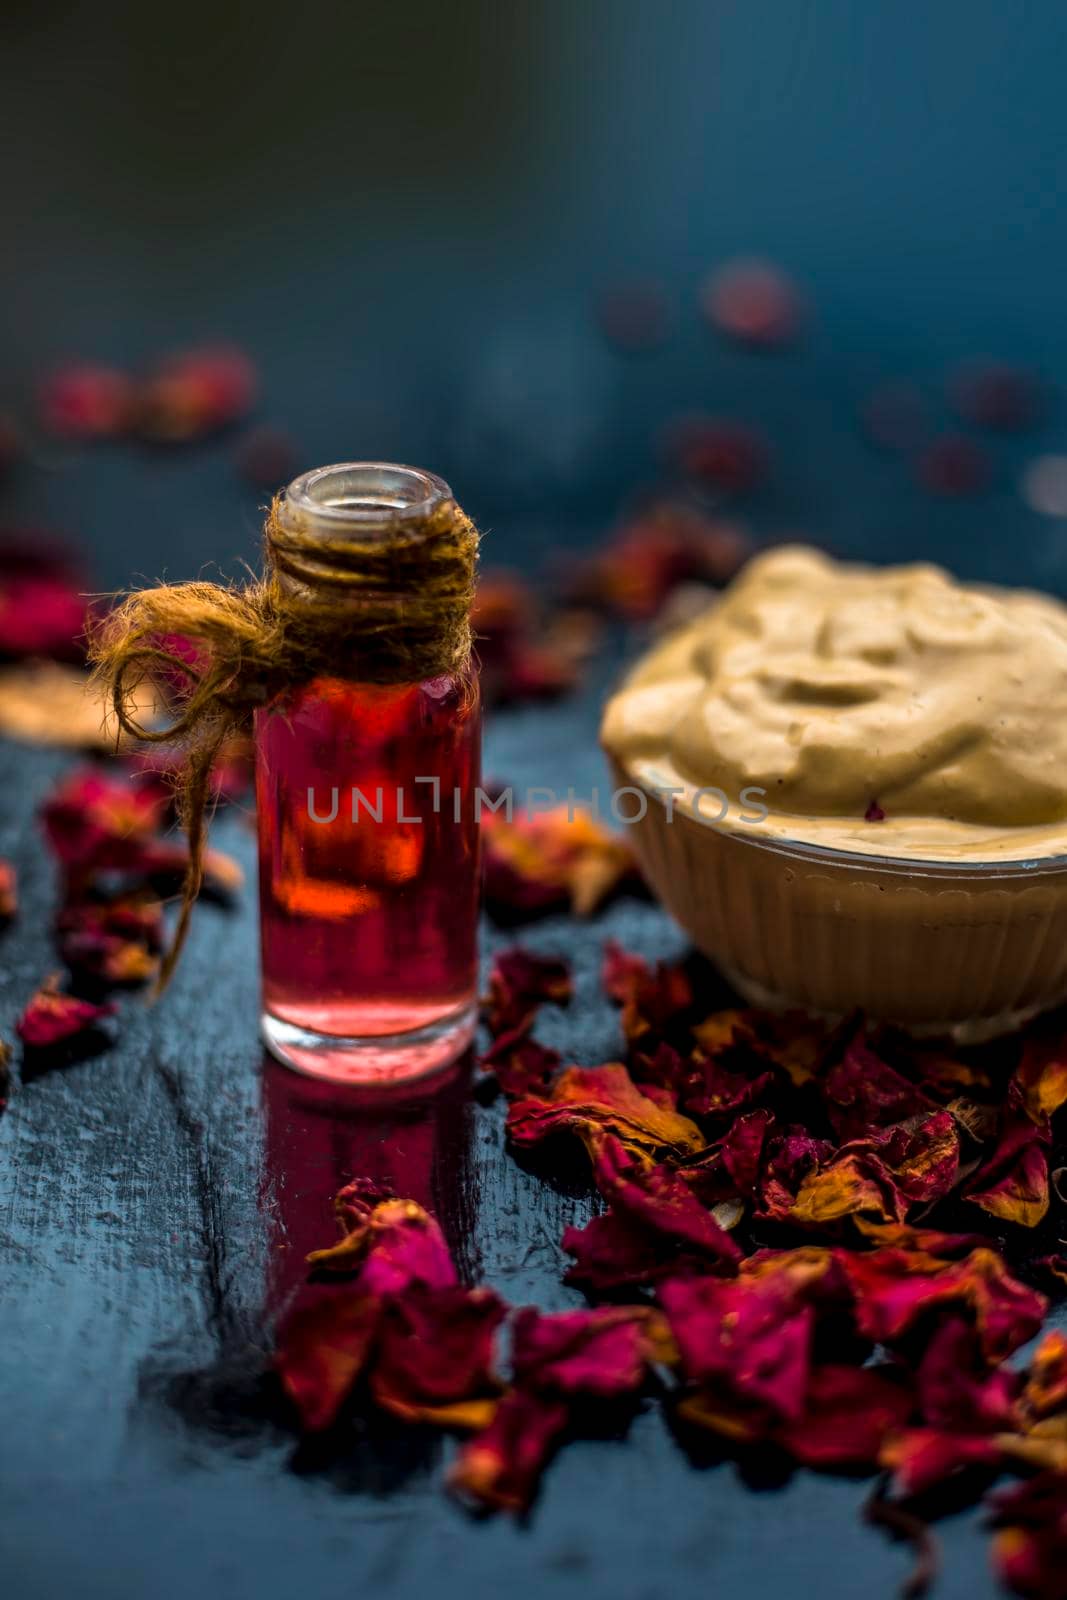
391 605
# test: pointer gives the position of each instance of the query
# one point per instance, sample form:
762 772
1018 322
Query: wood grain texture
155 1203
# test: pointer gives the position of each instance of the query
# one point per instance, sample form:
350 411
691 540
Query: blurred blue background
406 214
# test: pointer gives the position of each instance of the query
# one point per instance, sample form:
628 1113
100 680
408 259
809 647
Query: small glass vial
368 833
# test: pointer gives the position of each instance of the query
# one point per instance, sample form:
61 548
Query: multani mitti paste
840 691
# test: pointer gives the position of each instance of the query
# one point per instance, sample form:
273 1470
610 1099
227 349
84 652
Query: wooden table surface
155 1206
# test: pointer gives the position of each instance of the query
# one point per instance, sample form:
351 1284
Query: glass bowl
968 949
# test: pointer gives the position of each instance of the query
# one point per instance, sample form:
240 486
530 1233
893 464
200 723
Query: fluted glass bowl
967 948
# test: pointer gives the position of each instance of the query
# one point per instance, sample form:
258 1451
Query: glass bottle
368 834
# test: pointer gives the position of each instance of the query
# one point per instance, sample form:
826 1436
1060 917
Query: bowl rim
855 860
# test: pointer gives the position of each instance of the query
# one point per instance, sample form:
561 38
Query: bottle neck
352 514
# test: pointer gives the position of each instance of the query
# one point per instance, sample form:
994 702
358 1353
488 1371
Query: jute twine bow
392 608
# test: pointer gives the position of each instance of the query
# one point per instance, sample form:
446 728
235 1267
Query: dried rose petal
811 1273
136 917
885 1173
654 1217
502 616
611 1253
533 673
861 1091
954 465
115 941
434 1357
742 1149
393 1243
108 958
52 1017
663 547
729 456
521 1065
1030 1547
1013 1183
995 395
323 1347
522 654
499 1469
793 1042
601 1354
589 1101
957 1391
545 861
197 393
750 1336
1040 1079
9 898
651 997
921 1459
751 1041
754 302
41 614
163 860
94 821
894 1289
1054 1267
931 1241
1046 1380
518 984
849 1413
83 401
793 1156
1042 1448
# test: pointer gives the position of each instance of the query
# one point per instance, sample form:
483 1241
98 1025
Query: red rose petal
394 1243
322 1349
957 1391
862 1092
922 1459
849 1414
1030 1547
728 456
654 1216
52 1017
596 1100
995 395
754 302
954 466
83 401
499 1469
601 1354
750 1337
1014 1183
435 1350
518 984
894 1289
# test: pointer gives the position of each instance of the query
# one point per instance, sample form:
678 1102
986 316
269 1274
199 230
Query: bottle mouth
362 494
